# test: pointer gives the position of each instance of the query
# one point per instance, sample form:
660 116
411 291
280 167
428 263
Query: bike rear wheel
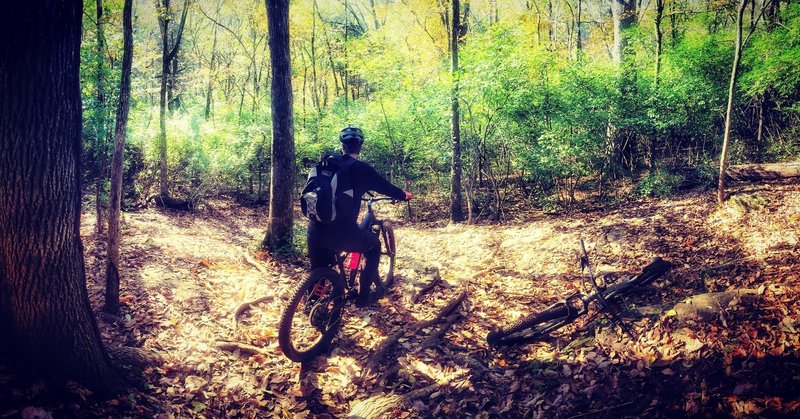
532 328
388 253
313 316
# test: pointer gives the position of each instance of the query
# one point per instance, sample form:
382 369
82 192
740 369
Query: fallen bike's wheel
532 328
313 316
653 271
388 253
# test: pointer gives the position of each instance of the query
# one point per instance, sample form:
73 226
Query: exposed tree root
248 305
382 405
709 306
435 280
252 262
435 336
243 348
136 357
383 349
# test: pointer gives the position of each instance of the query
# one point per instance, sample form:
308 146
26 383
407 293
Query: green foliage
530 109
659 183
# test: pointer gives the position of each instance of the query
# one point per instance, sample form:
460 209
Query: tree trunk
281 193
162 110
760 172
624 15
100 117
212 69
112 263
737 57
579 39
456 210
620 142
46 321
346 77
167 55
653 146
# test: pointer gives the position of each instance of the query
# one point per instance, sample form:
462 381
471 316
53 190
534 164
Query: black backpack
328 195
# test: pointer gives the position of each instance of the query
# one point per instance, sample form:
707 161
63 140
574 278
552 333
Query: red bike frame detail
355 258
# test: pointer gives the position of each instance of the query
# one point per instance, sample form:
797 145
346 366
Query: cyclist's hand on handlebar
409 196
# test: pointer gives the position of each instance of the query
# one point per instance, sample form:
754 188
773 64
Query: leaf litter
184 276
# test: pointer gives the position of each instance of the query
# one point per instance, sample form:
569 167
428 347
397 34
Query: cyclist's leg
351 238
370 274
320 252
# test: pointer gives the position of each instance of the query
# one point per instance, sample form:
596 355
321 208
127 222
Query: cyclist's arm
377 183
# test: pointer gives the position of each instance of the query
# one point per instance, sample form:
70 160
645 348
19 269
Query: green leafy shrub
659 183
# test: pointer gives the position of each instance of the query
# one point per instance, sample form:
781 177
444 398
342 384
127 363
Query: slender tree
112 262
456 204
653 141
281 192
619 141
168 54
737 58
46 321
100 117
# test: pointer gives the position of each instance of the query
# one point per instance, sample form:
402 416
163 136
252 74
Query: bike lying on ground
538 325
313 317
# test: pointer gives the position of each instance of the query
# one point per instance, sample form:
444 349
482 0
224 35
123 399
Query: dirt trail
184 275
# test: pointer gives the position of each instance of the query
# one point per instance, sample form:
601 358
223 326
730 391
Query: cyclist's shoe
367 300
352 294
380 291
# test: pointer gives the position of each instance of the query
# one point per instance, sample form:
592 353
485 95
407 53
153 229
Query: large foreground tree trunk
112 262
46 321
281 191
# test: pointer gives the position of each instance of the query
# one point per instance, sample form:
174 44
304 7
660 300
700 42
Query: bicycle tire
386 235
657 268
531 328
287 341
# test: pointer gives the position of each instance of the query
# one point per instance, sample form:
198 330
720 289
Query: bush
659 183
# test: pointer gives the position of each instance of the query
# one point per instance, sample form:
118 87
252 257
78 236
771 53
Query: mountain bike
314 314
603 299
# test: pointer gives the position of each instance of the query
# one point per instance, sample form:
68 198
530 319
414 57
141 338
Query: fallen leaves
182 286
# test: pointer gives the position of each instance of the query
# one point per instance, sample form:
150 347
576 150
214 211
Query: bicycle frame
353 261
577 304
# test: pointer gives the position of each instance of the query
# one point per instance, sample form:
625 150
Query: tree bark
46 321
760 172
619 141
624 16
737 57
163 9
579 39
653 146
281 208
100 118
167 55
112 262
456 210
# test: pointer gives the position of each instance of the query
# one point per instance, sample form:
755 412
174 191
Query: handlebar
377 199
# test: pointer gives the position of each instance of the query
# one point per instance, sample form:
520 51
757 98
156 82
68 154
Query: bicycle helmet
351 138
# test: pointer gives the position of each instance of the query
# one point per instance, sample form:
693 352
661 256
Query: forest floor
184 276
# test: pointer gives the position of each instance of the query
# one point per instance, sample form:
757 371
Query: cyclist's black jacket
365 178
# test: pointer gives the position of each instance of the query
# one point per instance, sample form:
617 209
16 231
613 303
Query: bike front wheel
313 316
388 253
532 328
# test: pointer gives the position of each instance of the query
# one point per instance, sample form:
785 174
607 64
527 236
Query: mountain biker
344 235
